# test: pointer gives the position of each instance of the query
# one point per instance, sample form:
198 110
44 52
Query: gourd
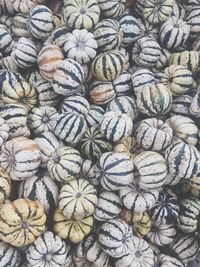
4 131
5 186
192 19
9 255
95 115
18 26
6 42
87 172
25 5
166 261
123 84
181 104
129 146
112 9
190 187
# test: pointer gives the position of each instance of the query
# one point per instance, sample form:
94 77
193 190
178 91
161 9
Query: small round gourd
116 126
5 186
114 170
20 158
68 77
123 84
81 46
27 220
7 7
154 100
88 172
19 27
112 9
9 255
115 237
154 134
108 206
25 5
4 131
77 104
75 231
192 19
181 105
108 66
95 115
6 41
194 108
166 261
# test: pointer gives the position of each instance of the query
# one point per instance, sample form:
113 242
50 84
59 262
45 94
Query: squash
112 9
24 6
154 134
48 249
6 41
115 237
81 14
20 158
49 57
21 222
173 33
58 35
192 19
166 261
108 66
162 63
190 4
95 115
7 7
4 131
40 21
178 10
87 172
108 34
8 63
123 84
68 77
181 105
64 164
75 231
5 186
190 187
9 255
154 100
116 126
81 46
108 206
18 26
194 108
114 170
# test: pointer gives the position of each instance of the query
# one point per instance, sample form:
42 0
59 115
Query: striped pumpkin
10 77
9 255
126 55
27 220
81 14
7 7
68 77
20 158
88 172
154 100
173 33
8 63
95 115
152 169
162 63
116 126
192 19
178 79
138 200
154 134
79 255
190 187
4 131
108 34
114 170
113 9
40 21
19 26
77 199
5 186
123 84
75 231
23 6
47 143
161 234
140 222
190 4
58 36
115 237
178 10
157 11
108 206
165 261
146 52
6 41
24 53
93 144
194 108
181 105
42 189
70 127
108 66
64 164
48 249
129 146
80 45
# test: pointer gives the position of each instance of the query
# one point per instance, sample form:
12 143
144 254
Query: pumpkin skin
194 107
48 249
75 231
87 172
95 115
111 236
9 255
192 19
112 9
190 187
123 84
166 261
127 145
6 41
5 186
26 5
181 105
19 26
4 131
27 220
20 158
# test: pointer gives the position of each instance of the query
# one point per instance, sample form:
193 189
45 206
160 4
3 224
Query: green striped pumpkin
166 260
112 9
4 131
9 255
5 186
192 19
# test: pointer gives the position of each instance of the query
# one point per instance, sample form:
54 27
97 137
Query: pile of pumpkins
99 133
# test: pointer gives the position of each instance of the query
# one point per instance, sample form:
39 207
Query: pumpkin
152 169
174 32
80 45
24 6
95 115
19 26
47 143
178 10
112 9
64 164
68 77
154 134
87 172
114 170
166 261
154 100
24 53
6 41
108 66
156 11
146 52
58 35
5 186
123 84
194 106
178 79
27 220
108 34
9 64
192 19
79 255
137 199
140 222
70 127
108 206
40 21
184 128
82 14
162 63
115 237
126 55
116 126
48 249
7 7
48 59
181 105
75 231
190 4
9 255
4 131
40 188
190 187
20 158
